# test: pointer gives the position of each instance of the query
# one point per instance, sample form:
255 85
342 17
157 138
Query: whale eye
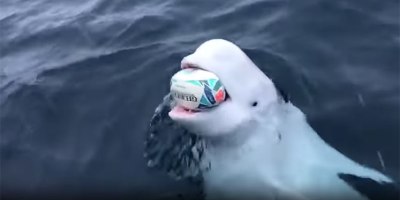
254 104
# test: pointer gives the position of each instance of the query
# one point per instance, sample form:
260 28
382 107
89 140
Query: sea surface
80 81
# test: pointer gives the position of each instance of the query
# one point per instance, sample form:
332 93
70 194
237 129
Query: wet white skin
260 146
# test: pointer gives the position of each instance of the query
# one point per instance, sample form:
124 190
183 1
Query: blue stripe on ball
209 94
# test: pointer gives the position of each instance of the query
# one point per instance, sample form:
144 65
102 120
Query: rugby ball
197 89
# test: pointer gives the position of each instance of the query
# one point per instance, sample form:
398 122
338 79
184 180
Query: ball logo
186 97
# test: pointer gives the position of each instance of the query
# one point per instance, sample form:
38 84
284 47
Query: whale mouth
179 110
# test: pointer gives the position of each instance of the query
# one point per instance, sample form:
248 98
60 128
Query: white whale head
251 93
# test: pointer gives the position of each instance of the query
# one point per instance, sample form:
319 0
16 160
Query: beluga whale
257 144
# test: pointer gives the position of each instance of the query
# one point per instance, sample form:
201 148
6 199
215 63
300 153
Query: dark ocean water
80 81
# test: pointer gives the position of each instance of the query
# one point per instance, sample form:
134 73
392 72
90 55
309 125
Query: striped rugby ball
197 89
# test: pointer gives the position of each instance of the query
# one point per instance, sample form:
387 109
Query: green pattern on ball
194 82
204 101
211 82
217 86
